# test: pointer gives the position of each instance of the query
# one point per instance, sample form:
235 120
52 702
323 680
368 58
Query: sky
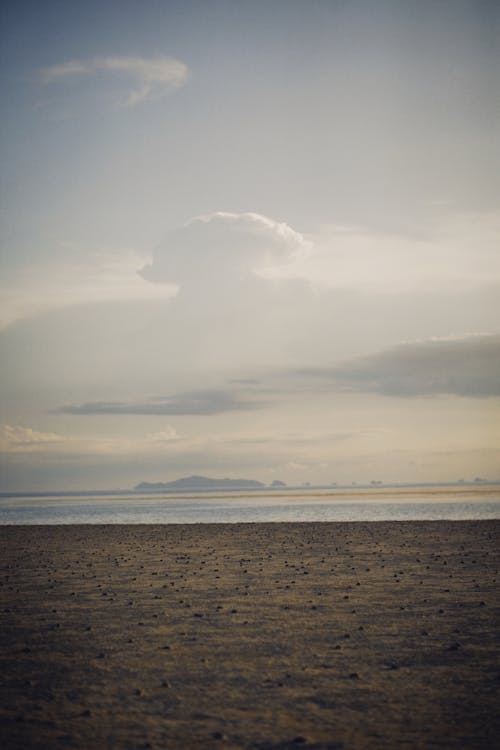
249 239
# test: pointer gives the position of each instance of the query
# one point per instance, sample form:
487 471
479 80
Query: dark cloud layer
200 403
468 366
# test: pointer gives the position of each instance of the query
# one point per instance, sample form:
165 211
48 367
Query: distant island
200 483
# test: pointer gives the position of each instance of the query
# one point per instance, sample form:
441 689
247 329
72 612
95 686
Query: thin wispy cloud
200 403
99 277
151 78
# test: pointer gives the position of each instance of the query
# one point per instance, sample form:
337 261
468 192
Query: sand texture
263 636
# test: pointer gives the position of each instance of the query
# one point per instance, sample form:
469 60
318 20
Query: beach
265 636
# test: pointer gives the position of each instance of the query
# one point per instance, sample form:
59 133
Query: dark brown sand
326 635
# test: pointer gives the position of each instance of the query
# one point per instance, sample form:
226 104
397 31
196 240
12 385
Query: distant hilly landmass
200 483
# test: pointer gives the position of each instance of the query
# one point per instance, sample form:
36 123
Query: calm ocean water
384 504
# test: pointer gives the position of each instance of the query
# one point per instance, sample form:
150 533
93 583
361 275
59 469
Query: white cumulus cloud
221 244
457 253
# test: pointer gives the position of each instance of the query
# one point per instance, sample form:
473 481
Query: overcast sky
249 239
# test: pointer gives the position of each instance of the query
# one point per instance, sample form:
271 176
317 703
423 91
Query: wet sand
263 636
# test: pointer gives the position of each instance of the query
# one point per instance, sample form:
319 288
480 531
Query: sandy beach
263 636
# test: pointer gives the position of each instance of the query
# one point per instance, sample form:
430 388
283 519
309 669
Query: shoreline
266 636
282 506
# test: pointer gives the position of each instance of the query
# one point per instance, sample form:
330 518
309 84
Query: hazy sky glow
254 239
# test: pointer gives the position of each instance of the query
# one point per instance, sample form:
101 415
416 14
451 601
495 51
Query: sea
395 503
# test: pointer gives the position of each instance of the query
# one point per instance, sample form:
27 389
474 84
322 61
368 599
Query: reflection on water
457 503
